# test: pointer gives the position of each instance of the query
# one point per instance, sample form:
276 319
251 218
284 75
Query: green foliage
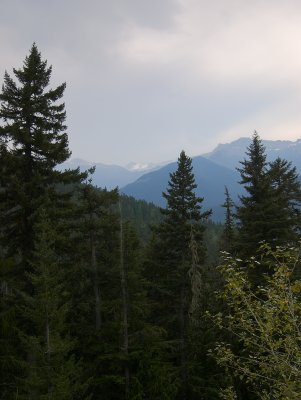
92 281
51 370
33 141
11 365
265 321
142 216
255 214
104 296
228 235
286 188
174 266
271 209
97 288
182 211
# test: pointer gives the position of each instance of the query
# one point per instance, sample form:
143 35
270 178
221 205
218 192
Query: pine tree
10 363
183 209
92 278
255 213
178 254
95 214
228 235
33 141
270 211
286 200
52 371
109 299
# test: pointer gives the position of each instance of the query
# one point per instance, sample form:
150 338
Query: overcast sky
148 78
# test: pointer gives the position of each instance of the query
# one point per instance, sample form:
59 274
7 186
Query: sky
146 79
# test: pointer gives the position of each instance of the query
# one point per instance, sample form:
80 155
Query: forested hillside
106 297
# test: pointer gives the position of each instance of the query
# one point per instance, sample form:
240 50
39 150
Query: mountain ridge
150 186
212 170
229 154
110 176
212 178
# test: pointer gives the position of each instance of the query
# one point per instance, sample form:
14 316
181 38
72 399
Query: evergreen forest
103 297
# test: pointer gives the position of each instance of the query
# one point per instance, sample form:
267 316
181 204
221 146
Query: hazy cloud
148 78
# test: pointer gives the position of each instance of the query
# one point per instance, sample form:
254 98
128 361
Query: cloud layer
147 79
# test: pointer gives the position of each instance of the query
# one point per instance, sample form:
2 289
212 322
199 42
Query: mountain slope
213 171
210 178
229 154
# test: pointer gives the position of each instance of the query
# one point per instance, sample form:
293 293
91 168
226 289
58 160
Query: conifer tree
33 141
109 299
174 262
228 235
92 277
255 213
183 210
270 211
95 209
10 362
286 201
52 371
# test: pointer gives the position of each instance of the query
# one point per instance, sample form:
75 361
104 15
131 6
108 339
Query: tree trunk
98 320
48 349
124 292
183 343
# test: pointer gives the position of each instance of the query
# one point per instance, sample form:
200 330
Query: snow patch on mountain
145 167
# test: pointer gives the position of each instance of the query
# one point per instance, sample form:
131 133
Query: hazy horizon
163 162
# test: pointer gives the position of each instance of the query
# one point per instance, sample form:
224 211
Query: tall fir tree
52 371
33 141
286 189
92 276
255 213
270 211
227 241
95 209
10 363
178 255
182 212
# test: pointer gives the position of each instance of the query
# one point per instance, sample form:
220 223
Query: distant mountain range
212 171
229 154
111 176
210 177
